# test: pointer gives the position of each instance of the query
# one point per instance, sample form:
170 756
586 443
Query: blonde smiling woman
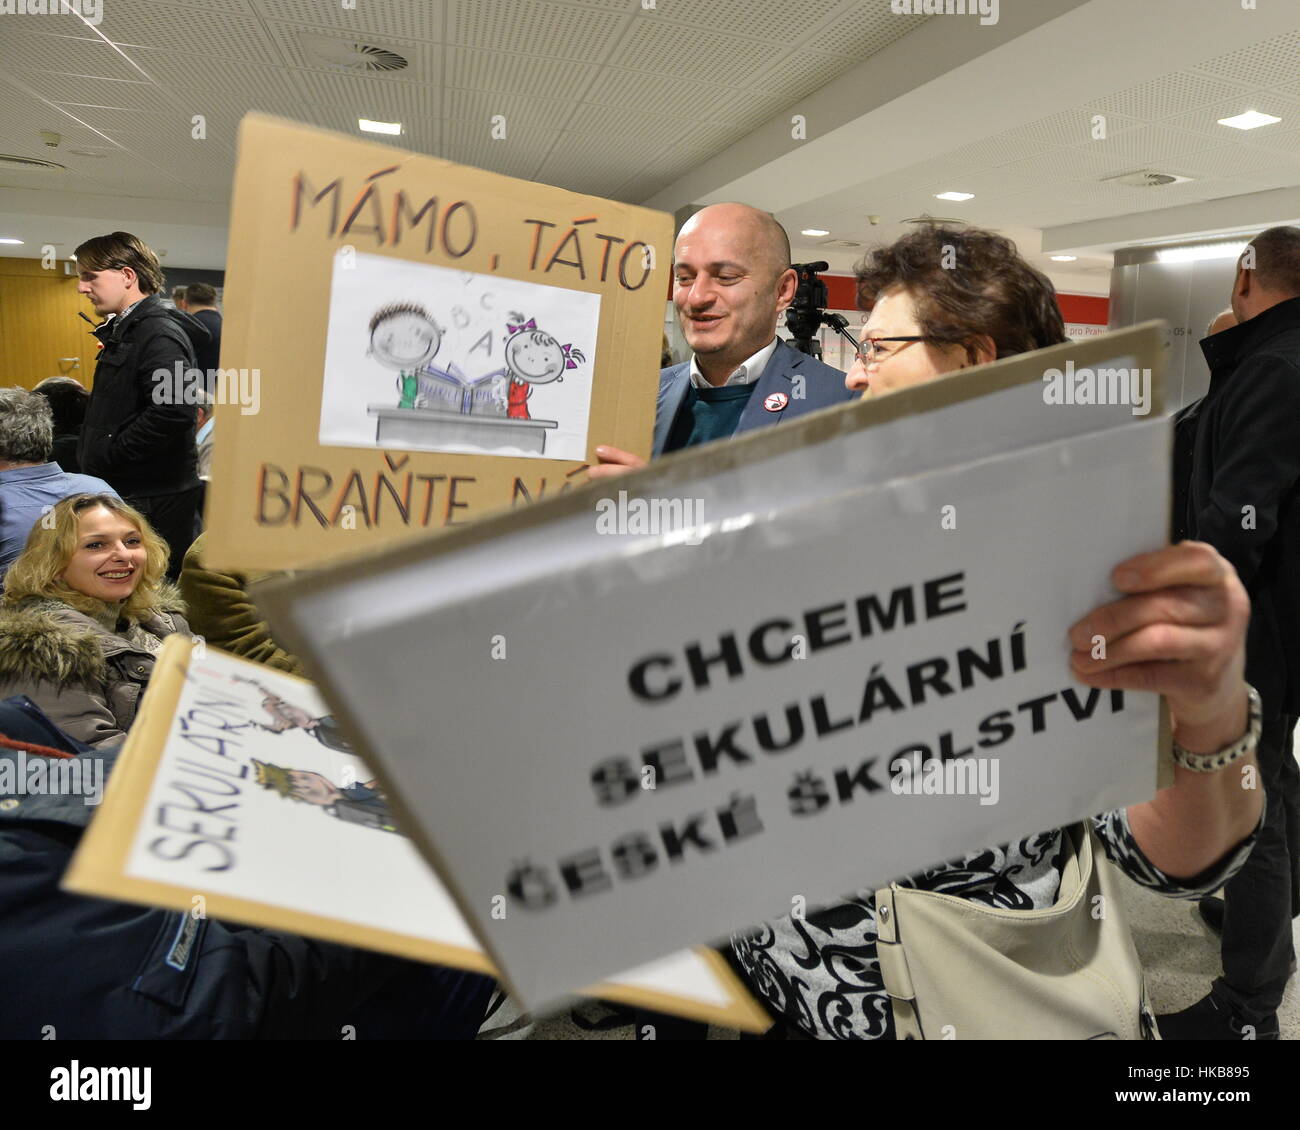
85 610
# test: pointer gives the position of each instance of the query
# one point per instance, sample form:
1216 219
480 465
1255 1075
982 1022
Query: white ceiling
685 102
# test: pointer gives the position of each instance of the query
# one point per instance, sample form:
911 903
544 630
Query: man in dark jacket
73 967
201 304
1244 499
139 428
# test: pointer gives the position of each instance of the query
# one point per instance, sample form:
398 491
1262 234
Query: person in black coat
138 434
73 967
1243 497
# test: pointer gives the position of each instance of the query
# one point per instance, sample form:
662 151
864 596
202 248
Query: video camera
807 313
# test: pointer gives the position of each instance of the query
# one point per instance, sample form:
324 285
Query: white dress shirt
746 373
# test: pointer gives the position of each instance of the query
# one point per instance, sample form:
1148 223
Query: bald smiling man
731 282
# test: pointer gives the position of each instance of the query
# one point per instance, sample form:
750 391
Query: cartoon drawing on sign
363 804
533 357
462 385
405 338
286 716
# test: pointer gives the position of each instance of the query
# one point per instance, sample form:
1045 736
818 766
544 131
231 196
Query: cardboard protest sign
762 674
237 796
410 344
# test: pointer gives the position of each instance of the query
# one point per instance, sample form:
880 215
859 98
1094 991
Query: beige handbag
957 970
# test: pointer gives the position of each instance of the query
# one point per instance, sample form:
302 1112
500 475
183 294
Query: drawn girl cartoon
404 337
533 357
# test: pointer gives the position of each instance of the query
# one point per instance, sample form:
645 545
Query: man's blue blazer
822 387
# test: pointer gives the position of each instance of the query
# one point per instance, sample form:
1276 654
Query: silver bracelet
1213 762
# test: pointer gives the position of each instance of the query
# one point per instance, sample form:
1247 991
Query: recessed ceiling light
10 241
814 231
954 196
1251 119
1064 258
379 127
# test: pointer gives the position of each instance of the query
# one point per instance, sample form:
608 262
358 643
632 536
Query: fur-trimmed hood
44 640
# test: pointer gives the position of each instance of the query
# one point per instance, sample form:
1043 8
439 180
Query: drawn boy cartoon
533 357
404 337
363 804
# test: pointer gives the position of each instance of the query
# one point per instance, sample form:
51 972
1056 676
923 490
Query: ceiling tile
517 74
1267 63
188 31
421 20
863 29
660 48
1167 95
92 58
1075 127
537 27
779 23
481 107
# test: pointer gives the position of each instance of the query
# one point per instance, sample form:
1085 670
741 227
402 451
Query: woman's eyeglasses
869 350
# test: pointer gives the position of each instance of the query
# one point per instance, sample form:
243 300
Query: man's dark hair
68 399
121 249
178 294
966 282
1277 259
200 294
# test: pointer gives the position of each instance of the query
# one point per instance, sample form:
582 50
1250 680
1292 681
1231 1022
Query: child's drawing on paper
533 357
363 804
461 384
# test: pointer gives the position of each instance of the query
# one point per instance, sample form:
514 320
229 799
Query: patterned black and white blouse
821 973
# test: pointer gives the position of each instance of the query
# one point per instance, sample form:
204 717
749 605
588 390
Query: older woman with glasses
944 299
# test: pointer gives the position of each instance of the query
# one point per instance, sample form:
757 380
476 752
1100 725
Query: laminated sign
410 344
757 676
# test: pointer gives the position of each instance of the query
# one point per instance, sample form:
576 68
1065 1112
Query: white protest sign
237 798
647 738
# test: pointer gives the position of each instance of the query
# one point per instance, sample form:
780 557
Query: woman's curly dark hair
966 282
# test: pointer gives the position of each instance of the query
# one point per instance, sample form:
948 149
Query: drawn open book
237 785
450 390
